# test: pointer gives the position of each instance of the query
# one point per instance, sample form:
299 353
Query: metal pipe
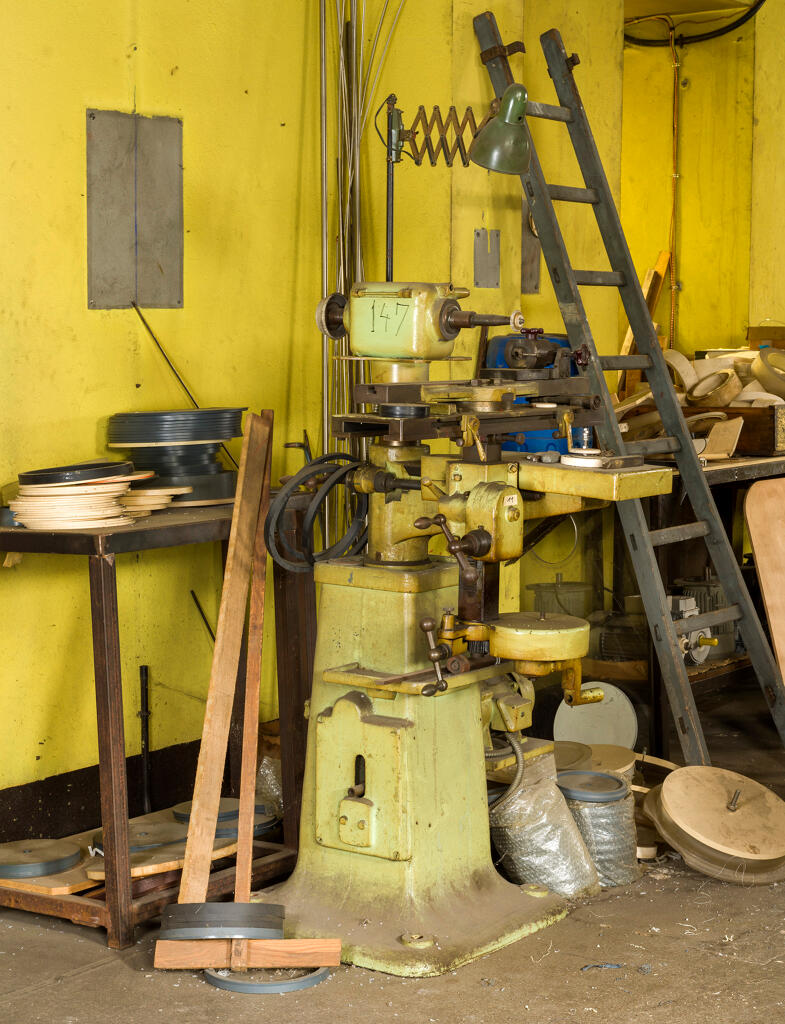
325 249
144 716
325 252
390 189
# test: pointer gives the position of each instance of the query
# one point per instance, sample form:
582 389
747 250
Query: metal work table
116 908
727 479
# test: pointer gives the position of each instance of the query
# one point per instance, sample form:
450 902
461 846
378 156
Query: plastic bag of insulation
268 786
538 841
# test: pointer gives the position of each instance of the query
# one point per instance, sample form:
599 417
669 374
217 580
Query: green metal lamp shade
502 144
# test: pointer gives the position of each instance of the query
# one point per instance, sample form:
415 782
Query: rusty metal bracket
501 51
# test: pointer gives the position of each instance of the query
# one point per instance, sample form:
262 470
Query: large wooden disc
696 799
738 870
608 757
149 835
30 858
571 755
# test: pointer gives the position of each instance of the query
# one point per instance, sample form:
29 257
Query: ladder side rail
663 633
633 521
720 551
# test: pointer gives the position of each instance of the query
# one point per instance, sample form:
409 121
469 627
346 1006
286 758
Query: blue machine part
535 440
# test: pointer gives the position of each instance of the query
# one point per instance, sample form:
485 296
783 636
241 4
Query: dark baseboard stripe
65 804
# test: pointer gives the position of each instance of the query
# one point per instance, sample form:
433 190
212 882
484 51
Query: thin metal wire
180 380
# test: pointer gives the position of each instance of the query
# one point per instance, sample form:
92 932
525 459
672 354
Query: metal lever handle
453 543
436 653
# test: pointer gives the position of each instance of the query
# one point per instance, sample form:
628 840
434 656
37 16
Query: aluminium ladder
641 541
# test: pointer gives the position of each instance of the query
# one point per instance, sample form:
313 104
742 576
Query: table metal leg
295 628
111 749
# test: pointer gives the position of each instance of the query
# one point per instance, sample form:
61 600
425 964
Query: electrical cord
701 36
353 540
560 561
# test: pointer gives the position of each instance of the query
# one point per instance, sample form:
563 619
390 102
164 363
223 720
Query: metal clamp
493 52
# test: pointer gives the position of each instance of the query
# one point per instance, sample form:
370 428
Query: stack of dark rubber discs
181 447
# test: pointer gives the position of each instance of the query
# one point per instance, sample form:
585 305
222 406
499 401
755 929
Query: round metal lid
591 787
611 720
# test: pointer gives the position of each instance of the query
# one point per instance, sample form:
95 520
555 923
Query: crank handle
592 695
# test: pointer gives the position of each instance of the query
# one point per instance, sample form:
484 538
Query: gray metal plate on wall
134 210
530 254
487 258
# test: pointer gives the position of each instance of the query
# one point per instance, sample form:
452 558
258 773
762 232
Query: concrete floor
676 947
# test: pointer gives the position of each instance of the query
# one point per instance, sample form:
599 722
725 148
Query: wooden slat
226 655
245 824
652 289
196 954
763 508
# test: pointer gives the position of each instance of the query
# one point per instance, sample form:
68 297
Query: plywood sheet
764 510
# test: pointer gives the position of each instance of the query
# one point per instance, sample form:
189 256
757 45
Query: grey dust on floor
674 947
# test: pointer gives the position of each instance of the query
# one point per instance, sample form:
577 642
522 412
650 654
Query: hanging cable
700 37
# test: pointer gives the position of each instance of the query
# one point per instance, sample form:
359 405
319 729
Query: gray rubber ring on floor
220 931
236 984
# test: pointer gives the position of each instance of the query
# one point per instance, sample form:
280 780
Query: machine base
420 941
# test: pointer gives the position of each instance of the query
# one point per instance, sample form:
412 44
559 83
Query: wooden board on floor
64 883
90 872
196 954
764 510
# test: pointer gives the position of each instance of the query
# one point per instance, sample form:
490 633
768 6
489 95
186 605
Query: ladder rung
570 194
656 446
547 111
625 362
675 534
600 278
708 619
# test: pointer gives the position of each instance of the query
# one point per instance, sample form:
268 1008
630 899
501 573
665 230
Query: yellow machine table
395 852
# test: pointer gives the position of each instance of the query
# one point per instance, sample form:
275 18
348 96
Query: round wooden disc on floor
607 757
696 799
149 835
739 870
228 809
32 858
571 755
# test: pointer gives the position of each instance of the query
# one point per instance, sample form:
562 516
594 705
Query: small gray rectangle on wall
134 210
487 258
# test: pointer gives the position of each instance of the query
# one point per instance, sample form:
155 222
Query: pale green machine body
395 854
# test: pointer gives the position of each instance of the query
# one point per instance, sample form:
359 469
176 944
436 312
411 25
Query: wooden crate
763 432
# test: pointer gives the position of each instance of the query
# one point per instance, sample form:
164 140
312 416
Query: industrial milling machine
424 661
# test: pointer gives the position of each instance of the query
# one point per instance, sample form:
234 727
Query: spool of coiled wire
603 807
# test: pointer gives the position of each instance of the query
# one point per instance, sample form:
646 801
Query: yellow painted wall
244 336
767 247
252 277
715 139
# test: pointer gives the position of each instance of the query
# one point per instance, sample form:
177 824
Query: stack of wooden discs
143 501
74 497
723 824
